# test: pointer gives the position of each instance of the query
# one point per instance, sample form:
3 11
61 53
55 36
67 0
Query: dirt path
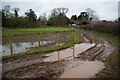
103 49
32 65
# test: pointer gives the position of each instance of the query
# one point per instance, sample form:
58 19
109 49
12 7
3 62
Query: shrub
109 27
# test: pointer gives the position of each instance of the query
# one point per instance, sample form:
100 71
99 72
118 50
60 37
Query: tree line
57 17
11 18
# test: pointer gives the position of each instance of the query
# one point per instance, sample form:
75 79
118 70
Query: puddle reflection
68 53
21 47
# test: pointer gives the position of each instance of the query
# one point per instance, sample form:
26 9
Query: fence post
38 39
10 43
73 47
58 55
58 38
58 45
73 52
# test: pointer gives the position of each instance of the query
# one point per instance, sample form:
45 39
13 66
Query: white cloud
60 0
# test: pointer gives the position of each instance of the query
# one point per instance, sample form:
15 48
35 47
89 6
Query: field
31 35
18 31
91 47
60 41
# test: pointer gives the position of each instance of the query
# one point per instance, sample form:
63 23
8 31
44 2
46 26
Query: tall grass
109 27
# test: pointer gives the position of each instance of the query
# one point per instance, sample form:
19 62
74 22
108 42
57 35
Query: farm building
42 23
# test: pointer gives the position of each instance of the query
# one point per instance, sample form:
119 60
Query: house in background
42 23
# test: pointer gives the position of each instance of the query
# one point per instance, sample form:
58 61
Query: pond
21 47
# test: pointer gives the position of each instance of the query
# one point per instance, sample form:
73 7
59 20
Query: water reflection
68 53
21 47
18 45
22 43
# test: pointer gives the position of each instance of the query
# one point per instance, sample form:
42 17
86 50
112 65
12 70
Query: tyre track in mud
39 69
101 51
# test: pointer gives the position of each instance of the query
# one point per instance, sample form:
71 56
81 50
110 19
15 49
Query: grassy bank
20 31
75 38
111 65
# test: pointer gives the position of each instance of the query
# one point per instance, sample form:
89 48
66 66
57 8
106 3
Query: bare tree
42 17
57 11
92 14
16 11
7 10
58 17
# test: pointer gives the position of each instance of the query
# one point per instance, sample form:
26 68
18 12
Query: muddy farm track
33 66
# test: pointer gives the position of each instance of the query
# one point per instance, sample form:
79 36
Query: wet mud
85 59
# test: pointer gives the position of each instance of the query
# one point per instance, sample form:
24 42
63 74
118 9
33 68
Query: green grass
41 29
75 38
21 31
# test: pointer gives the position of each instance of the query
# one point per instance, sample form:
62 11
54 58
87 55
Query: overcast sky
106 9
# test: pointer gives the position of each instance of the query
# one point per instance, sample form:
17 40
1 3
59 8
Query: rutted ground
32 65
100 51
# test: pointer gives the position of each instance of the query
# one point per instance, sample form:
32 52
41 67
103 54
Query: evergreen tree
31 15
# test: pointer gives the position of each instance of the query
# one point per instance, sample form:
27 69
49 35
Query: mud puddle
84 37
82 69
76 68
68 53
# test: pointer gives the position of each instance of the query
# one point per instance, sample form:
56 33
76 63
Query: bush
20 23
109 27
